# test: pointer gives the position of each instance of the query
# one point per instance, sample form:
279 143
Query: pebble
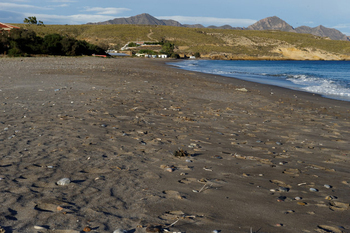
283 189
327 186
37 227
298 198
278 143
313 190
63 181
87 229
119 231
215 231
188 161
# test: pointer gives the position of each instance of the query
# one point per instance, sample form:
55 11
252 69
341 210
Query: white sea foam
329 79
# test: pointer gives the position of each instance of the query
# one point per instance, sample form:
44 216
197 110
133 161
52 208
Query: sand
259 158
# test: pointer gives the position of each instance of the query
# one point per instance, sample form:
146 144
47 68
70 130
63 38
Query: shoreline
255 161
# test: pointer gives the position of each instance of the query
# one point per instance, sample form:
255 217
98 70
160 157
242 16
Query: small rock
279 225
87 229
63 181
298 198
327 186
313 190
283 189
119 231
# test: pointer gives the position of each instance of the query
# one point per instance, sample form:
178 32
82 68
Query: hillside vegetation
214 43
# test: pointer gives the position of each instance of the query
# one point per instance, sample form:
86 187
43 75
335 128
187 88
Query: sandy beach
147 147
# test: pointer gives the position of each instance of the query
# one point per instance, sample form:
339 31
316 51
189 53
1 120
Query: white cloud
106 10
10 6
206 21
63 1
72 19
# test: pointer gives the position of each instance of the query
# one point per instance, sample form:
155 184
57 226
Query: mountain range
269 23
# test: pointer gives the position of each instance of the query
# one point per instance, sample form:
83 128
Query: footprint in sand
173 194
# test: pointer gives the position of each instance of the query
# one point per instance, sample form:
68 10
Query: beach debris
207 169
63 181
242 89
181 153
204 187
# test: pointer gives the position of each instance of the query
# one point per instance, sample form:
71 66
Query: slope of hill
269 23
332 33
211 43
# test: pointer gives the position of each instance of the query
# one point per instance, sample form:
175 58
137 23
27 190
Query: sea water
330 79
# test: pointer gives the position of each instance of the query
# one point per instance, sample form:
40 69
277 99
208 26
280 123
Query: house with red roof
7 27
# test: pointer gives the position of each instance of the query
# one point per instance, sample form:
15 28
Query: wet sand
259 158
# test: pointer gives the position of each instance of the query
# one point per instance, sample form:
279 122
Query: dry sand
112 126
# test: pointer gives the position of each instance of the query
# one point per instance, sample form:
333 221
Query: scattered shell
298 198
302 203
169 169
330 198
63 181
279 225
313 190
37 227
215 231
289 211
327 186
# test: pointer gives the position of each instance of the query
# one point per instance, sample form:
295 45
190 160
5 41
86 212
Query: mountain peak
272 23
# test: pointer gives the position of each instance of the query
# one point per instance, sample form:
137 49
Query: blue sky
237 13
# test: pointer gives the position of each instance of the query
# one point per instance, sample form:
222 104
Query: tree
33 20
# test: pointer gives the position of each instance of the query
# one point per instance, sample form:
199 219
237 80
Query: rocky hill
275 23
272 23
269 23
322 31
